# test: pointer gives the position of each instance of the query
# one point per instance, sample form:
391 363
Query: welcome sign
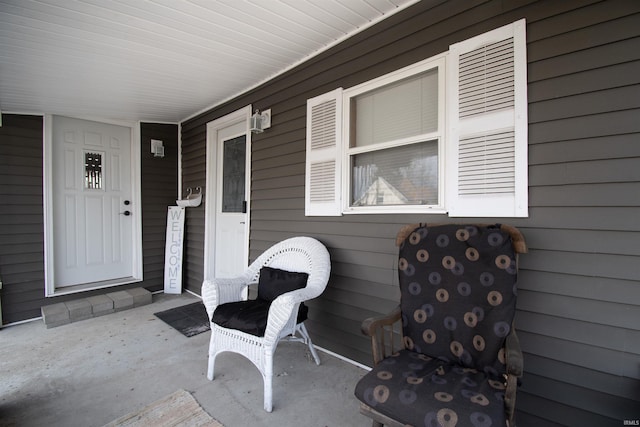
173 250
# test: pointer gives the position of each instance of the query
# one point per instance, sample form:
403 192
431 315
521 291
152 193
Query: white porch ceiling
161 60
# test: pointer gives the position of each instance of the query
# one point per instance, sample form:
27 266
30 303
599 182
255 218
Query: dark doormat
189 320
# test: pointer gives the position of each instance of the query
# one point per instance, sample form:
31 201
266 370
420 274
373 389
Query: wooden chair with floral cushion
448 355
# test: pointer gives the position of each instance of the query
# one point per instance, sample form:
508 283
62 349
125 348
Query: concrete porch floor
91 372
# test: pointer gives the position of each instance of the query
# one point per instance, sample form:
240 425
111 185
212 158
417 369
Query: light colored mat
177 409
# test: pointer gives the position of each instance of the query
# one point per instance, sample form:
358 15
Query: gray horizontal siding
21 217
579 299
578 306
193 152
159 188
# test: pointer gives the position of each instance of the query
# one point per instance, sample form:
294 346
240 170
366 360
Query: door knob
125 213
127 203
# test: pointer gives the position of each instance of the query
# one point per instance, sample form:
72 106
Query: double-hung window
445 135
393 138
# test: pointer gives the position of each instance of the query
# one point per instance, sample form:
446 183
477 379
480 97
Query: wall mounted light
260 121
157 148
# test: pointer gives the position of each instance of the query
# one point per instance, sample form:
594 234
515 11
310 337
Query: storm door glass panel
405 175
93 171
233 174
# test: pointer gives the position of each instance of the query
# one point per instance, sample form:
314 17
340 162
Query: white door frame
136 210
242 115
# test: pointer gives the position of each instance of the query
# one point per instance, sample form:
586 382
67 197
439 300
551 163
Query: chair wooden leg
379 420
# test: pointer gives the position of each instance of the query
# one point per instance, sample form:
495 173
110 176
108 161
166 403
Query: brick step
85 308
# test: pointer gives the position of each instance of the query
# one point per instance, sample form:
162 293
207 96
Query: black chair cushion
247 316
251 316
421 391
458 290
274 282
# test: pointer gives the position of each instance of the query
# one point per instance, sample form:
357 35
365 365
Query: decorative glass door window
233 175
93 171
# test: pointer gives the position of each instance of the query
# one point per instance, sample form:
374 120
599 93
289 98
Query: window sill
394 211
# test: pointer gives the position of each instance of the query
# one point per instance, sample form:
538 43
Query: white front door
93 218
227 208
231 201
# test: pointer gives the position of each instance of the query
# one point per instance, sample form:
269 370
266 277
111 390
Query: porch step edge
63 313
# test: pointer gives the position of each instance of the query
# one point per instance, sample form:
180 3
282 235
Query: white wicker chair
297 254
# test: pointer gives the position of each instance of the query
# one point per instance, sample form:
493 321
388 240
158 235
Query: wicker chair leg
267 377
212 360
307 340
210 370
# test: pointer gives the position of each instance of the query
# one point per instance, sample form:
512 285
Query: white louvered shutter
322 173
487 137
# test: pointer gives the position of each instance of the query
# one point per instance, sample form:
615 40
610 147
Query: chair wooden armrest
514 357
515 364
380 329
371 324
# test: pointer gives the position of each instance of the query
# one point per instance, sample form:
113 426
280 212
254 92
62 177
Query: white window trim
453 200
438 62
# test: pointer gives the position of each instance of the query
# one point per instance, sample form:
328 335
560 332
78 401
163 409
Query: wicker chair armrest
513 352
372 324
220 291
281 311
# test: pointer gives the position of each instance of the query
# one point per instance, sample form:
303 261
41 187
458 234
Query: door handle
125 213
127 203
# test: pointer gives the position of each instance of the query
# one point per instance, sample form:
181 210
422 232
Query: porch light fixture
157 148
260 121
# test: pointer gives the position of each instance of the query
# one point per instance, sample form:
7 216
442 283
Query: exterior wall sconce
157 148
260 121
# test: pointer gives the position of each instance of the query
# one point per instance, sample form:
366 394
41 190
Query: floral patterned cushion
458 292
420 391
